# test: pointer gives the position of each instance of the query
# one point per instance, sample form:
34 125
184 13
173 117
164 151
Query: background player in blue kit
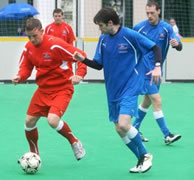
162 34
119 52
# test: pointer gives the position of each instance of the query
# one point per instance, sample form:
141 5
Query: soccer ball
30 162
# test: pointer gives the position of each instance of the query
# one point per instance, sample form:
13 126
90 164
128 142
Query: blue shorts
127 105
150 89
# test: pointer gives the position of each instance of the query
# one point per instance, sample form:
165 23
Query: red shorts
43 103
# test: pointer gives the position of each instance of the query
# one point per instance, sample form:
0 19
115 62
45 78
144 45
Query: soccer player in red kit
64 31
49 55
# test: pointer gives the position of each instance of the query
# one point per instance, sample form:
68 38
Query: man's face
35 36
105 28
58 18
152 14
172 22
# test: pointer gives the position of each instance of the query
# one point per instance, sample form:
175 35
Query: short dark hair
57 10
172 18
105 15
153 3
33 23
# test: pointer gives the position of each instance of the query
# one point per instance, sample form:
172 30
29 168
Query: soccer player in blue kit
162 34
119 52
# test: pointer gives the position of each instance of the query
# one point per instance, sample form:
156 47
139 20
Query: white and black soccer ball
30 162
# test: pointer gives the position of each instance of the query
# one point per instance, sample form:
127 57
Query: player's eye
151 13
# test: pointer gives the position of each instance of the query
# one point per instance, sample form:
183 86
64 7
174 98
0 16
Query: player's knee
146 102
31 121
53 121
122 128
158 102
118 129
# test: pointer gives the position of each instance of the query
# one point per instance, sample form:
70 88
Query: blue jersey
161 34
121 57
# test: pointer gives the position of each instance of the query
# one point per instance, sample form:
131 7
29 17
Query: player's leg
61 127
159 117
131 145
114 110
148 89
59 106
64 129
31 133
158 114
121 115
142 110
34 112
124 129
123 134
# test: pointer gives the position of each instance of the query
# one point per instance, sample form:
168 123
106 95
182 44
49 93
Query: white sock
126 140
60 125
29 129
132 132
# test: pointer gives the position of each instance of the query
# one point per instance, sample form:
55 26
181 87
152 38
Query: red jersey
50 60
63 31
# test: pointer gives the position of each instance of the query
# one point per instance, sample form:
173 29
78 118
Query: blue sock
141 114
135 137
158 115
132 146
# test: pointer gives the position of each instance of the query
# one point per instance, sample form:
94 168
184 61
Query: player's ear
158 11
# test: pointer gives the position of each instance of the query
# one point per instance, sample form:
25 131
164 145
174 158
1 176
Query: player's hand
156 75
78 56
174 42
16 80
75 79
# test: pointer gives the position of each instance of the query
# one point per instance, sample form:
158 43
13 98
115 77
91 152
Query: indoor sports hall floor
107 157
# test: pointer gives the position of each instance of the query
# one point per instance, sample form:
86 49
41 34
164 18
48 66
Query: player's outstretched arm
93 64
78 56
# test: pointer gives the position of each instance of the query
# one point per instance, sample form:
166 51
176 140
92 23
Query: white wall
3 3
10 55
179 64
92 74
88 9
45 8
139 13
